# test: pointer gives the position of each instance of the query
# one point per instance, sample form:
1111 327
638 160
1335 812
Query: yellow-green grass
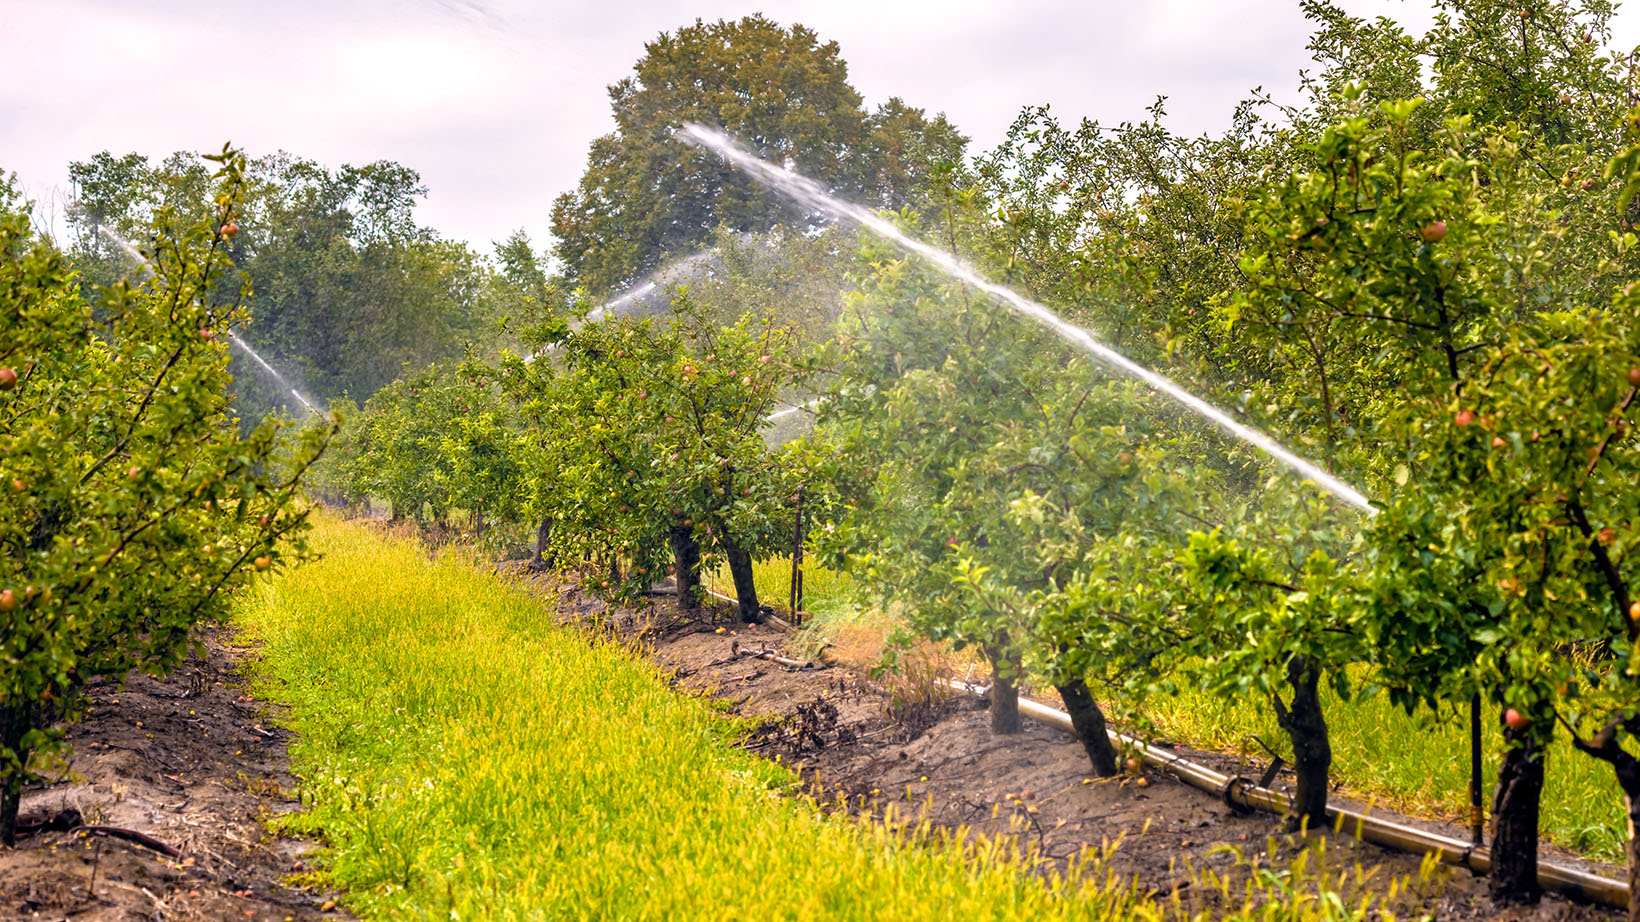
466 758
824 591
1415 763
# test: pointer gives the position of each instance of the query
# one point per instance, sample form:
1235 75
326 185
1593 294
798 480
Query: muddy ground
193 763
901 748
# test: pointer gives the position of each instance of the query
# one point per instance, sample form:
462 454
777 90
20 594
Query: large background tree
646 196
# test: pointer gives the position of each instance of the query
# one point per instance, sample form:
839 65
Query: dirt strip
194 764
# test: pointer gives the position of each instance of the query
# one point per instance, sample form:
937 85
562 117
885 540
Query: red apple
8 600
1498 442
8 379
1433 231
229 229
1465 417
1606 536
1516 720
17 485
134 473
1634 376
763 359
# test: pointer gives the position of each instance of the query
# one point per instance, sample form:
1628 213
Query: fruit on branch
1464 417
8 378
263 562
8 600
134 473
1516 720
1634 376
1433 231
1498 442
1606 536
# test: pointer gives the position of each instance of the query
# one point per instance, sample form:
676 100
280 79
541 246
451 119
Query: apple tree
135 507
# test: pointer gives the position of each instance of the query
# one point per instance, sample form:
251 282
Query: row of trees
1422 278
134 507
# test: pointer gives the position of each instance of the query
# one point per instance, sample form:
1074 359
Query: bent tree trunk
740 567
14 723
1089 722
1306 728
686 559
1513 878
1627 768
1004 692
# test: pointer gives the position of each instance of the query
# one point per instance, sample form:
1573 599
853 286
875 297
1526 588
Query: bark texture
1089 722
740 567
1515 805
1306 728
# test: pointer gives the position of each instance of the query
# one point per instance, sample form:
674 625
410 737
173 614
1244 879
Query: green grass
467 759
825 592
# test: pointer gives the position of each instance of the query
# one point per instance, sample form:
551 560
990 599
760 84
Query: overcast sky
495 101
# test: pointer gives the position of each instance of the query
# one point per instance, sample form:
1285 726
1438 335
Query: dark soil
935 757
190 761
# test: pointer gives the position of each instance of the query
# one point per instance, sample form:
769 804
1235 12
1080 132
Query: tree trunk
1004 693
1089 722
543 533
1627 768
14 723
1631 848
686 558
1513 878
614 571
740 567
1306 728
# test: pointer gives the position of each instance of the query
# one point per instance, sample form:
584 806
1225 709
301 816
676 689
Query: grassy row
466 758
1417 764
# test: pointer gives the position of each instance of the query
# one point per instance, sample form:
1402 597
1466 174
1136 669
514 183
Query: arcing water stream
278 378
807 192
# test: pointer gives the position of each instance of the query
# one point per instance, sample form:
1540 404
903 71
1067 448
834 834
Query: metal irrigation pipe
1243 792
